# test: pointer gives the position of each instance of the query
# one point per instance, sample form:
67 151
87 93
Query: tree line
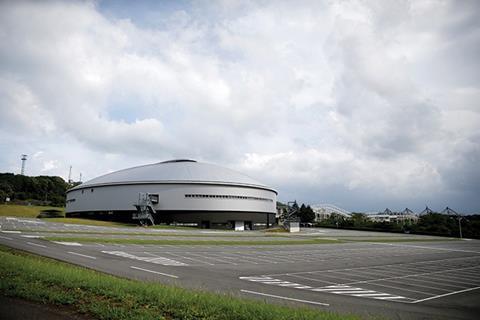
431 224
41 190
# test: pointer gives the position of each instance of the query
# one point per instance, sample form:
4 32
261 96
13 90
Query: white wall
171 197
239 225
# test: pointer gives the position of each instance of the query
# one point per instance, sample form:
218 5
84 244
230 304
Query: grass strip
151 234
90 222
194 242
103 296
400 240
13 210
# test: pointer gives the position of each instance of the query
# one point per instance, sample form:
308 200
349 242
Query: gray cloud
360 104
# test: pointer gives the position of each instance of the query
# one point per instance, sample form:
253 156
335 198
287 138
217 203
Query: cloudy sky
363 104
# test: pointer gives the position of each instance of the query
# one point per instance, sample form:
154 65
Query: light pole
460 226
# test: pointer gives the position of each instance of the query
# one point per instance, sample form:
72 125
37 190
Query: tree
43 189
306 214
358 219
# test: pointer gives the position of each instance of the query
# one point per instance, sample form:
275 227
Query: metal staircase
145 210
291 221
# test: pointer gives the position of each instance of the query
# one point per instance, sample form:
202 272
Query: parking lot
393 279
404 282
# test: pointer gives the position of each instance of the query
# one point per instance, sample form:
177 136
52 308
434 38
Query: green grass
386 240
90 222
193 242
103 296
277 230
152 234
164 226
13 210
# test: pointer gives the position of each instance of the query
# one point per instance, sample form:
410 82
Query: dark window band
225 196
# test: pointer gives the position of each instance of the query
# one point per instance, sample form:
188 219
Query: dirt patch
13 308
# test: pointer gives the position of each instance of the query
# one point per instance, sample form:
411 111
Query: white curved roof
174 171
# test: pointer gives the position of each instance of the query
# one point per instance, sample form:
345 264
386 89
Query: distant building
388 215
324 211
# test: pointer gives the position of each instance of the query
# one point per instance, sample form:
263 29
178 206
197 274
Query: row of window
226 196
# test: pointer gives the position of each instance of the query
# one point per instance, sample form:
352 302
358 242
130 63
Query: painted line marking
340 289
157 259
285 298
190 258
389 298
30 236
68 243
6 238
423 247
31 221
11 231
354 291
35 244
446 294
411 264
81 255
156 272
213 258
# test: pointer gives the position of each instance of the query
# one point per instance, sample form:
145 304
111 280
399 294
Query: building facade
182 191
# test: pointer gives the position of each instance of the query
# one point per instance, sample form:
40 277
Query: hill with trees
41 190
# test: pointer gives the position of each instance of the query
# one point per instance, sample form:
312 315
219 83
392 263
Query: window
227 196
154 198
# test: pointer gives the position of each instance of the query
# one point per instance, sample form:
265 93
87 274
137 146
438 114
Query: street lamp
460 225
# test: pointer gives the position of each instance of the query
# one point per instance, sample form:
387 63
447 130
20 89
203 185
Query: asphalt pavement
395 280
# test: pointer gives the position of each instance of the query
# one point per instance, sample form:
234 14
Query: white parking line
6 238
336 289
156 272
412 264
436 281
410 275
35 244
285 298
157 259
446 294
76 244
401 288
453 278
81 255
423 247
190 258
11 231
248 258
212 258
421 286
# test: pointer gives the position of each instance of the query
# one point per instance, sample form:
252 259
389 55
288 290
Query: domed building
181 191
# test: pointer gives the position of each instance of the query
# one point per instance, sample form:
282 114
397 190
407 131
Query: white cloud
349 101
49 165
